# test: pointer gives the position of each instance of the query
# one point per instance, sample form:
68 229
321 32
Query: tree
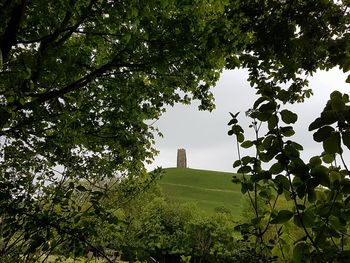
80 82
300 37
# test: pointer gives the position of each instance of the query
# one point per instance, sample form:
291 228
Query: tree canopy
80 81
79 78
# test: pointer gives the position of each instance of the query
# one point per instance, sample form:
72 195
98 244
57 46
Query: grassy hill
209 189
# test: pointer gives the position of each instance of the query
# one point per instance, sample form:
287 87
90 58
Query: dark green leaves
287 131
300 252
332 143
236 163
323 133
315 161
276 168
327 117
328 158
321 173
336 111
272 122
282 182
282 217
309 217
246 186
346 138
235 128
244 169
319 188
288 117
247 144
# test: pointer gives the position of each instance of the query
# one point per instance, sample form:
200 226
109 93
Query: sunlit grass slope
209 189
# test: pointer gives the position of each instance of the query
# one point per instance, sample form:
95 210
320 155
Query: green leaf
309 217
321 173
311 195
297 221
336 223
323 133
272 122
346 186
346 138
332 143
337 102
247 144
300 252
234 116
276 168
328 158
244 188
256 220
282 217
260 100
240 137
261 176
261 116
266 157
301 190
328 117
348 79
291 151
297 146
268 107
288 117
244 169
246 159
315 161
265 194
282 181
250 186
268 141
236 163
236 129
335 176
233 121
287 131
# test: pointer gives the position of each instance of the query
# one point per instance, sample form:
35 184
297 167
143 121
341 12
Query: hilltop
209 189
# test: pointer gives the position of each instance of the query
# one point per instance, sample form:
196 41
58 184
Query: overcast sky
204 134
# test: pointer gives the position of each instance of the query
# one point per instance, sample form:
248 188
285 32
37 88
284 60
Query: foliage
79 83
152 226
316 192
80 79
170 231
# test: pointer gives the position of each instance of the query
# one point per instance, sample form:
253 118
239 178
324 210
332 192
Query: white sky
204 134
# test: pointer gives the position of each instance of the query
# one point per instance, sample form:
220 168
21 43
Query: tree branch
49 95
10 35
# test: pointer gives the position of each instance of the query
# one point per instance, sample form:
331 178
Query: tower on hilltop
181 158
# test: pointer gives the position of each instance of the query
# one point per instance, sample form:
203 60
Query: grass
208 189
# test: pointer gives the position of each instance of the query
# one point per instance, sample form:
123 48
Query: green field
208 189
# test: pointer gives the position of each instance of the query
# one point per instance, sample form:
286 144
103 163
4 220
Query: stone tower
181 158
